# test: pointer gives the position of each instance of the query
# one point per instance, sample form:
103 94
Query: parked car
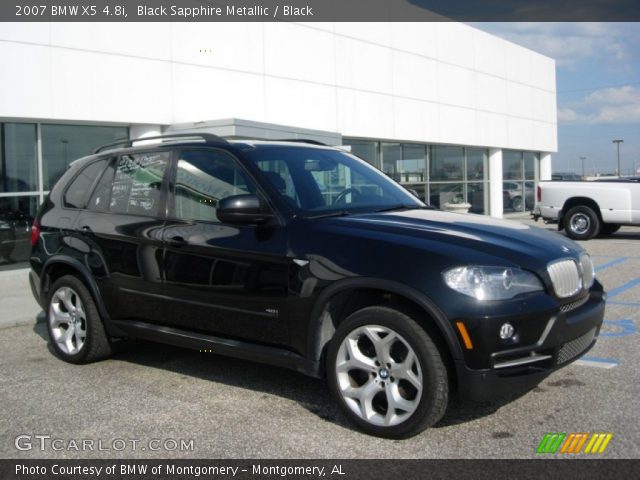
587 209
513 195
234 247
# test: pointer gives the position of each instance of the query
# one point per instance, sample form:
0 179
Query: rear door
123 227
224 280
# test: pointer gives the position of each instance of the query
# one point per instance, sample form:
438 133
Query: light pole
583 159
618 142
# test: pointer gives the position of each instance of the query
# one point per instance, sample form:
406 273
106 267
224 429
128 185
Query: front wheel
582 223
386 374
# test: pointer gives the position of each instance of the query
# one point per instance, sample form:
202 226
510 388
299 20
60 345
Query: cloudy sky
598 84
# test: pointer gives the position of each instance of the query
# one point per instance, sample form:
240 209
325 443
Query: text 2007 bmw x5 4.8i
304 256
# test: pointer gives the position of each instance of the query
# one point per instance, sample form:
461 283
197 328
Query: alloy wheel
379 376
67 320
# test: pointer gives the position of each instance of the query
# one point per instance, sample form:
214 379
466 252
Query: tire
363 376
516 204
582 223
609 228
71 306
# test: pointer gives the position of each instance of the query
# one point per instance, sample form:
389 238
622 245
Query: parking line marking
625 327
623 288
597 362
612 263
627 304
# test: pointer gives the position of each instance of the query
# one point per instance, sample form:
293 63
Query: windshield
317 181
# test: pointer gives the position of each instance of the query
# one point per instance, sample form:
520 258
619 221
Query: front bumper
567 335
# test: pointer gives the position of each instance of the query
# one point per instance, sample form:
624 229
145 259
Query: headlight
491 283
588 272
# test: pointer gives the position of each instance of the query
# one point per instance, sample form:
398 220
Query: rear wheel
516 204
74 324
609 228
386 374
582 223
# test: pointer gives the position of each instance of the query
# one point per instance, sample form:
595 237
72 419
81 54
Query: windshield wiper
399 207
339 213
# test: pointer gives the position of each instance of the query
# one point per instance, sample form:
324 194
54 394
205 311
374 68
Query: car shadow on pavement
462 410
310 393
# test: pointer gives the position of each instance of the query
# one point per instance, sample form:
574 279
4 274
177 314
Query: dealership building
454 113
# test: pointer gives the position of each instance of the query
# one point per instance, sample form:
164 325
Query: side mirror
242 210
414 193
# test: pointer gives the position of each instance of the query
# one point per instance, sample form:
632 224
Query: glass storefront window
18 161
530 164
368 151
476 164
478 197
447 163
62 144
16 215
391 157
512 196
520 171
412 167
511 165
442 193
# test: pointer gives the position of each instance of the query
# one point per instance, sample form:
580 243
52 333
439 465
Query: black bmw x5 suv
303 256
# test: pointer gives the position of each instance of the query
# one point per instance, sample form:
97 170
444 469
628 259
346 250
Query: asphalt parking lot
237 409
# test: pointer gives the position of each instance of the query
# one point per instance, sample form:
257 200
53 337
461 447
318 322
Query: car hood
509 241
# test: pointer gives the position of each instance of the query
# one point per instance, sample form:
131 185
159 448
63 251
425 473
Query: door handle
177 241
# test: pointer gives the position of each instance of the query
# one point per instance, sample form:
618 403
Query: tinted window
205 177
78 191
100 197
137 183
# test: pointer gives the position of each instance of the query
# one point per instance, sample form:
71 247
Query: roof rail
302 140
208 137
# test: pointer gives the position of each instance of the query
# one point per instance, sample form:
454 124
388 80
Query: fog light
506 331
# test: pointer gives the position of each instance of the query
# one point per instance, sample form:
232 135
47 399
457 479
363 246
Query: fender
88 280
314 341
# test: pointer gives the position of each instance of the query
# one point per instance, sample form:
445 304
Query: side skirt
222 346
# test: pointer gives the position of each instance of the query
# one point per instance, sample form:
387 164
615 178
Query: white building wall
429 82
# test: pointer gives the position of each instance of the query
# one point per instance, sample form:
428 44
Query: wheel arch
576 202
338 301
61 265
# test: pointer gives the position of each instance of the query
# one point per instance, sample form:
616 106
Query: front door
224 280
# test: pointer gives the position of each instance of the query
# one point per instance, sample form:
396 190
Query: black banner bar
317 10
325 469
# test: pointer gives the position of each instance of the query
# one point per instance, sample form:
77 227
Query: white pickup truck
589 208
